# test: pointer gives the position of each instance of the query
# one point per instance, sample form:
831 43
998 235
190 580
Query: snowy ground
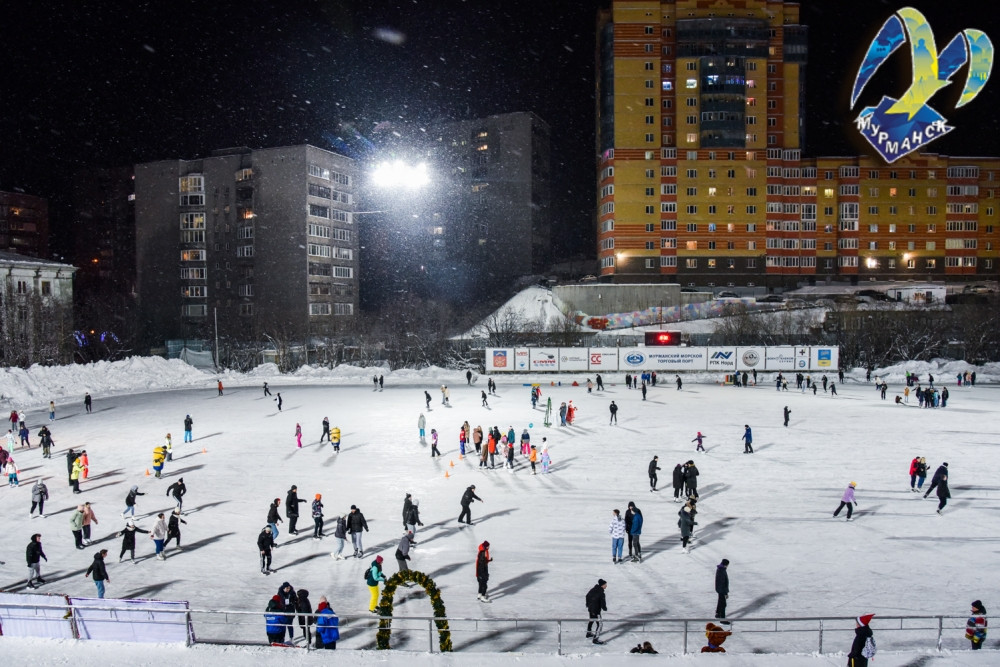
769 513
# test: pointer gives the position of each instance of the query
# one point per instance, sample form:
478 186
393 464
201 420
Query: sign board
543 359
573 359
603 359
722 359
779 359
521 359
824 358
750 358
499 360
801 359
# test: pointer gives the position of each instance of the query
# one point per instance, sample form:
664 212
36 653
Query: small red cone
446 475
204 451
451 463
147 472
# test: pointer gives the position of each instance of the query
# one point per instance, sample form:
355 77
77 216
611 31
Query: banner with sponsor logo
544 359
520 360
603 359
779 358
573 359
801 359
499 360
722 359
662 358
824 358
750 358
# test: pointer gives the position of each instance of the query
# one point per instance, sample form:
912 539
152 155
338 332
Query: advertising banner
544 359
801 359
663 358
603 359
573 359
722 359
750 358
521 360
824 358
779 359
499 360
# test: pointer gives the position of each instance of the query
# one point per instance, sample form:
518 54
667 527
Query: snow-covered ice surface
769 513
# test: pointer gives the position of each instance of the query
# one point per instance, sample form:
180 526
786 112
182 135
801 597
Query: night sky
113 83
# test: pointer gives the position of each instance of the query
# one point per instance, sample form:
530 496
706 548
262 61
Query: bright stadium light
400 174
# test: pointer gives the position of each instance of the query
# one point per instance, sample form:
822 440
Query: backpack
869 650
365 574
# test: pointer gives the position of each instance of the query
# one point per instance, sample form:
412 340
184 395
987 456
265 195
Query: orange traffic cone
204 451
451 463
147 472
446 475
460 457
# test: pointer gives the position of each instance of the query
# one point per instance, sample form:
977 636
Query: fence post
685 649
940 620
559 637
430 635
821 636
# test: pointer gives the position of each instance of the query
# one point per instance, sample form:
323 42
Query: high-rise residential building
701 178
263 240
484 220
103 229
24 224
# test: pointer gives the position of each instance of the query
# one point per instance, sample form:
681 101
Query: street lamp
400 174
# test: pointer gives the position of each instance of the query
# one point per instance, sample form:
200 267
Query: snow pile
945 371
532 308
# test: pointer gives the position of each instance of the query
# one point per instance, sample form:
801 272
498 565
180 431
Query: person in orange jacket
493 449
533 458
86 464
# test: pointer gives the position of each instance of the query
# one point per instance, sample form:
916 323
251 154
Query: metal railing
561 635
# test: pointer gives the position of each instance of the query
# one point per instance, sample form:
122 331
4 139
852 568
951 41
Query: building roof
14 258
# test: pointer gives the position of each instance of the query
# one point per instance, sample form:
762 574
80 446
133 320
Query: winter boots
483 598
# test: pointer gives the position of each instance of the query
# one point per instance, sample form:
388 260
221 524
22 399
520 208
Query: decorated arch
384 608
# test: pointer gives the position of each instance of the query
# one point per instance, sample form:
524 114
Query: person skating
596 603
357 526
159 457
76 525
381 382
921 473
159 535
407 504
45 438
468 498
686 523
691 479
298 436
335 438
267 392
747 440
913 473
88 403
292 501
485 404
617 531
434 443
88 518
613 408
788 413
168 445
653 467
304 607
847 501
468 377
427 399
634 528
532 458
863 647
644 391
372 578
975 627
273 519
128 540
177 490
71 457
483 560
24 434
326 430
699 438
374 383
99 571
722 589
678 482
941 474
39 494
130 501
188 425
403 550
327 626
220 387
75 474
317 515
33 554
340 534
421 426
265 542
174 528
943 493
278 400
52 411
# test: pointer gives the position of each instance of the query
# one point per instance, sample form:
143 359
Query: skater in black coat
940 475
722 587
128 540
407 503
288 601
265 542
596 603
653 467
356 526
467 499
292 501
788 413
304 607
691 479
174 528
678 482
943 494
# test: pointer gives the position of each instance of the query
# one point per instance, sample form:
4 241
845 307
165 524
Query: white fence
728 359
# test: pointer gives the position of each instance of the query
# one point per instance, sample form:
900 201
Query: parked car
727 295
976 289
771 298
690 289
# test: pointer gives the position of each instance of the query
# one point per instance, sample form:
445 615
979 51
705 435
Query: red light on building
663 338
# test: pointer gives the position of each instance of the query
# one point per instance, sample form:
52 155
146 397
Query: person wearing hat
188 424
292 501
722 588
76 525
975 627
863 647
847 501
617 531
317 513
403 550
327 625
654 465
483 560
356 525
274 621
326 430
691 479
177 490
128 540
372 578
596 603
99 571
265 542
272 517
468 498
174 528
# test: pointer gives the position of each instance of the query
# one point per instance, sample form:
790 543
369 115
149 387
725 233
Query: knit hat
978 606
866 619
486 544
354 507
601 582
378 559
276 598
853 484
319 496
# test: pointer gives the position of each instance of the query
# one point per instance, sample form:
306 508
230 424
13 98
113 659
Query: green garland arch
384 609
